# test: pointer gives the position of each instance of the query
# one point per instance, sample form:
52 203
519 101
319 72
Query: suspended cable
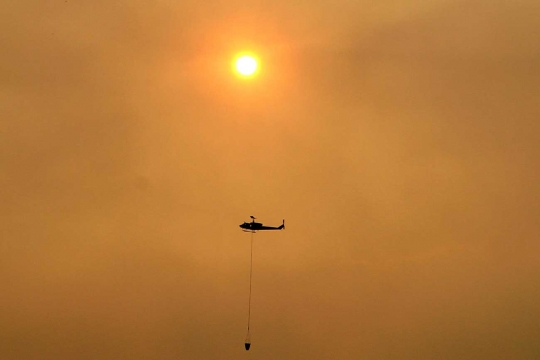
248 337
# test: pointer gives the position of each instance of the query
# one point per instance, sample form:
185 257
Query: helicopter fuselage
255 226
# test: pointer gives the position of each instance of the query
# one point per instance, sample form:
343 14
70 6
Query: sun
246 65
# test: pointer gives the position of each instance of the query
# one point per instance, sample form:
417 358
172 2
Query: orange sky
399 142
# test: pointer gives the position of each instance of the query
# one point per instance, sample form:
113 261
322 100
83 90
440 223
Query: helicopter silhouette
255 226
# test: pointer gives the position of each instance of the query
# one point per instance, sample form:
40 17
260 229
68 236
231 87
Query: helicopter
255 226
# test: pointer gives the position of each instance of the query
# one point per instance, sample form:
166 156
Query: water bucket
247 345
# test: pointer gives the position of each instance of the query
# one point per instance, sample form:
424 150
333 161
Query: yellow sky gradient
398 141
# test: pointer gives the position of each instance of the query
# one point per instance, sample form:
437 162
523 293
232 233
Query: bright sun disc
246 65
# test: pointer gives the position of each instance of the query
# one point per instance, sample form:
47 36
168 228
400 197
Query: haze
399 141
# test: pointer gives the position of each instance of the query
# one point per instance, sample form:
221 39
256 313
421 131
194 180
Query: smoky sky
399 141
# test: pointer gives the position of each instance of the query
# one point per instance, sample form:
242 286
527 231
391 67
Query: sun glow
246 65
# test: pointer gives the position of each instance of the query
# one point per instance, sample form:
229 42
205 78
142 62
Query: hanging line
250 276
